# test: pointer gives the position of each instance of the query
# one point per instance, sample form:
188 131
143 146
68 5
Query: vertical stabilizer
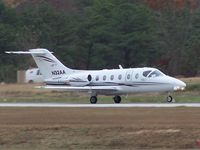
48 64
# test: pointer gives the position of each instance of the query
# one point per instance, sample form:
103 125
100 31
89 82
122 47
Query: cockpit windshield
155 73
146 73
152 73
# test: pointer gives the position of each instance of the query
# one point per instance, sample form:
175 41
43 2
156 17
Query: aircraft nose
179 85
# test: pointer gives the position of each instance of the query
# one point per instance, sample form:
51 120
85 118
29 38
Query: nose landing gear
170 99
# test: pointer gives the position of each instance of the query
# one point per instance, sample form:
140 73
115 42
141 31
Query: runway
130 105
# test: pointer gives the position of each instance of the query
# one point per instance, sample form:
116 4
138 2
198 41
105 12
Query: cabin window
120 77
104 77
97 78
89 77
111 77
128 76
137 76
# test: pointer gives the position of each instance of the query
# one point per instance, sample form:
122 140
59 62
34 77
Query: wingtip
7 52
39 87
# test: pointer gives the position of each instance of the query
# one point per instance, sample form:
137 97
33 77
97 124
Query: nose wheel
117 99
170 99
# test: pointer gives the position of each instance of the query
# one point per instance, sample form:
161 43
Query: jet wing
97 89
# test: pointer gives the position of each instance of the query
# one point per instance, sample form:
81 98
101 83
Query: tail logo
46 59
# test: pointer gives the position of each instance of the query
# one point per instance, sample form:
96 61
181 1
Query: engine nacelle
57 81
80 79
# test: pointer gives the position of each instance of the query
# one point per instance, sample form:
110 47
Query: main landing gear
93 99
117 99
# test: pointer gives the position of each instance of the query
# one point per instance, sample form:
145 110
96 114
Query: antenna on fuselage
120 67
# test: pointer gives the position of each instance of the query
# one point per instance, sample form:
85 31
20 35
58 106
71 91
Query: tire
169 99
93 99
117 99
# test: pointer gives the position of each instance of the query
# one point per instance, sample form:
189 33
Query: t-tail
48 64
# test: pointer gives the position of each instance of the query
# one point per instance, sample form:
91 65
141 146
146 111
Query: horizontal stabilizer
23 52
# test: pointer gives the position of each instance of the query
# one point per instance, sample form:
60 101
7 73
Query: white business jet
101 82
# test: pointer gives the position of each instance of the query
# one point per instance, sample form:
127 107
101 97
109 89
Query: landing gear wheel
117 99
169 99
93 99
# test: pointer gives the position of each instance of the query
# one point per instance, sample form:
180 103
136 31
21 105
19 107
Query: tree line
102 34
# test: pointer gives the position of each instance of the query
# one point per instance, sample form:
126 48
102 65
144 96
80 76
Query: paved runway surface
100 105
